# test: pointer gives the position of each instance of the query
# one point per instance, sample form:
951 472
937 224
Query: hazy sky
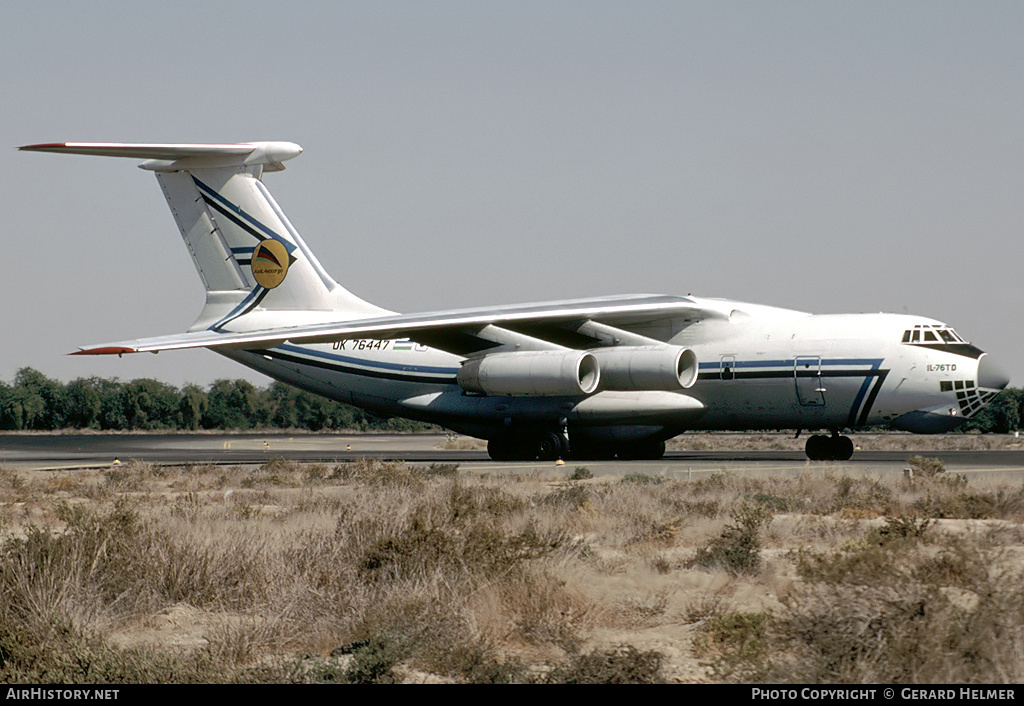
823 156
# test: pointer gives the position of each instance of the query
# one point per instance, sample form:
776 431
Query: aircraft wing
621 310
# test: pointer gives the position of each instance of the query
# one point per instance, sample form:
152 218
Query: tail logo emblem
269 263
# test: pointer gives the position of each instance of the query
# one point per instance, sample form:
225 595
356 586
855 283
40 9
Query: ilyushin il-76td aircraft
582 378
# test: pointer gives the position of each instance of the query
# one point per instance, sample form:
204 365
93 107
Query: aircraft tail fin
250 258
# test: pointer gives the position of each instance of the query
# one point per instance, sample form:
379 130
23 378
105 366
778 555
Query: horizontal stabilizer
172 156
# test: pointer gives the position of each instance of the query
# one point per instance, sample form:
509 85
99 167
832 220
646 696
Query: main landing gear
548 446
829 448
543 446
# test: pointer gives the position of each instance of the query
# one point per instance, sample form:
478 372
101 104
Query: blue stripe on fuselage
379 364
788 364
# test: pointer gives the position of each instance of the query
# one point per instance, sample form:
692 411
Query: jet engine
531 374
647 367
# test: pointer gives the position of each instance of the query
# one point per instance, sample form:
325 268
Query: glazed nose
990 374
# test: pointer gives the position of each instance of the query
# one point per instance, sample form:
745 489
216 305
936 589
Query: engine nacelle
647 367
531 374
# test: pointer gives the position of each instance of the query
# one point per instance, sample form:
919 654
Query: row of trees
37 402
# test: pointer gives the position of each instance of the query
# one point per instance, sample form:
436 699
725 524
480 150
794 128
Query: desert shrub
315 474
68 655
374 660
738 548
890 608
642 479
115 562
187 507
580 473
10 480
47 576
926 466
711 483
620 665
200 469
699 444
861 497
446 624
972 505
957 565
473 502
932 619
657 532
441 470
275 473
879 556
457 531
476 547
913 633
699 508
307 669
869 565
572 495
125 477
704 607
56 587
369 471
735 643
541 608
478 665
899 530
774 502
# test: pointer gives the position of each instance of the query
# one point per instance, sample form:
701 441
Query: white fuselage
759 368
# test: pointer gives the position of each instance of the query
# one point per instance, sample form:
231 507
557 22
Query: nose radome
991 375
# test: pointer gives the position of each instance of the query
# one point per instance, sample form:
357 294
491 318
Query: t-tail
248 255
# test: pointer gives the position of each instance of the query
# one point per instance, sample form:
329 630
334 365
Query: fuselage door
810 387
728 367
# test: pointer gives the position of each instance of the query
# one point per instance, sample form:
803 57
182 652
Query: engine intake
531 374
647 367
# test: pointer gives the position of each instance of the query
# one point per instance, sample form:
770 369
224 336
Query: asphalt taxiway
96 450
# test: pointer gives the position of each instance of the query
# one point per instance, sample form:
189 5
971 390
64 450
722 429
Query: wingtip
104 350
43 146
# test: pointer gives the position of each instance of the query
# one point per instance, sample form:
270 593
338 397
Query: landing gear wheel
544 446
823 448
551 446
503 449
843 448
816 447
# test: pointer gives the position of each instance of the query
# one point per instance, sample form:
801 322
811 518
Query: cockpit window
932 334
